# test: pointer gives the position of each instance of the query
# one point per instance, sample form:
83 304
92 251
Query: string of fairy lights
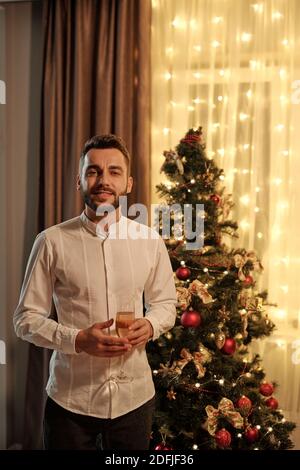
264 429
222 75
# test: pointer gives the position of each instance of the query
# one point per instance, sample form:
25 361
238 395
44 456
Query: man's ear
78 183
129 184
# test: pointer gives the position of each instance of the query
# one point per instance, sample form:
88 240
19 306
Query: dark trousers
66 430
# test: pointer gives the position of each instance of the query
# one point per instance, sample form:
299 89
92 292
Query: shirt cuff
68 337
155 327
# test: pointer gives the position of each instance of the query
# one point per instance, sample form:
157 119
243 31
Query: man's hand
140 331
96 343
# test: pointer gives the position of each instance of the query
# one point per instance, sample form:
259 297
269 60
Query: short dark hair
105 141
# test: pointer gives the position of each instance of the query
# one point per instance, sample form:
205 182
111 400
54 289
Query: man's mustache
97 190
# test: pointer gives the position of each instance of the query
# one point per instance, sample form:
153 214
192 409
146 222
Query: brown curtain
96 79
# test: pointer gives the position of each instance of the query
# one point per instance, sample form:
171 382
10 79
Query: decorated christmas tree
212 392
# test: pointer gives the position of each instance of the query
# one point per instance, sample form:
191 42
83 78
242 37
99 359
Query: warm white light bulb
217 19
243 116
276 15
282 73
245 199
197 75
280 313
258 7
253 64
178 23
246 37
283 205
244 224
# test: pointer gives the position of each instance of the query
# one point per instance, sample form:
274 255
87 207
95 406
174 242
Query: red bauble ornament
244 404
248 281
162 446
190 319
252 434
215 198
266 389
229 346
223 438
272 403
183 273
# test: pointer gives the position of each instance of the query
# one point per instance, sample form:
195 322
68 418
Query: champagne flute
124 318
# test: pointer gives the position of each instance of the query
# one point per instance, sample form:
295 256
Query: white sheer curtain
230 66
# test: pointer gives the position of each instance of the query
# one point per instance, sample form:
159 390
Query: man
85 267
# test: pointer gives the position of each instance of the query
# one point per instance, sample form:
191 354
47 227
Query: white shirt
84 269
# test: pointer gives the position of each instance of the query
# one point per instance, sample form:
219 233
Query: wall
19 160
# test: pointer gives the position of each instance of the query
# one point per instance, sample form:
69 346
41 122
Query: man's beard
89 202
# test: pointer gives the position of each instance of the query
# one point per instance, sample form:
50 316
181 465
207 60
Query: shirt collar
98 229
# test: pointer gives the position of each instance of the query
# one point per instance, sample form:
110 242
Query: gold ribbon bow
172 157
198 357
241 260
183 297
197 288
226 410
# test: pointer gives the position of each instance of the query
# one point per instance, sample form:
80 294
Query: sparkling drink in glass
125 316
